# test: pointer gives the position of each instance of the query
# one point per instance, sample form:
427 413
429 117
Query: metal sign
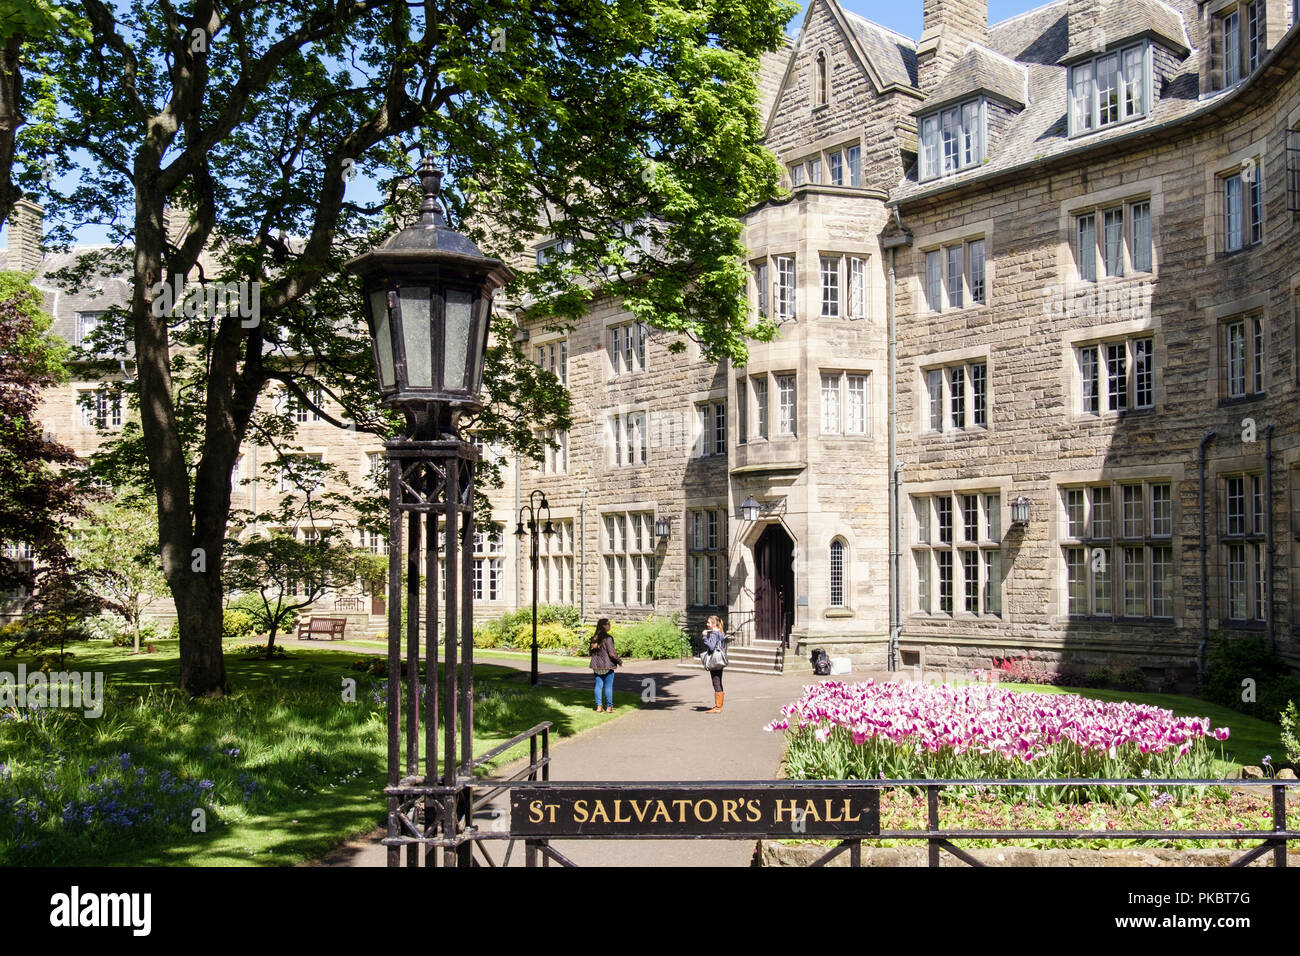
677 810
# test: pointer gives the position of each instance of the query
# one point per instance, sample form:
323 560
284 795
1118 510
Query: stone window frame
707 412
555 563
556 355
489 557
616 430
842 377
778 379
853 298
709 555
769 302
939 242
555 457
1251 538
1097 201
944 363
1130 334
626 560
100 408
1215 319
822 83
629 331
1171 473
837 577
926 548
824 154
1214 223
1115 544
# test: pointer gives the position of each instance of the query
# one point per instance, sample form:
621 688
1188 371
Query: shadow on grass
294 767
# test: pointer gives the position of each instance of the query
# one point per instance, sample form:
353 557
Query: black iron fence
846 811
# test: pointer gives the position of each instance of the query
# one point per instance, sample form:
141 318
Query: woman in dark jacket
714 638
603 662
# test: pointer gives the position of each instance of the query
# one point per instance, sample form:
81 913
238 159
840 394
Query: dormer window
1238 41
1110 89
952 139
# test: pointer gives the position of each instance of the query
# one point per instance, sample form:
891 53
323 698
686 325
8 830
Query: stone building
1022 271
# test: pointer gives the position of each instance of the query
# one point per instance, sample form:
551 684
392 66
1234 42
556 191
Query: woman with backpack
603 662
715 645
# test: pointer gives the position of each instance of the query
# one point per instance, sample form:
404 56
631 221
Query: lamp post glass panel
535 509
428 297
749 510
1020 511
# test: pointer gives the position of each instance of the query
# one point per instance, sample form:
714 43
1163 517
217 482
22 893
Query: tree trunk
11 83
270 639
199 607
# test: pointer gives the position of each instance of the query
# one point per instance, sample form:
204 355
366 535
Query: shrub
236 623
655 637
1231 662
558 627
1097 677
1130 678
1290 721
1022 670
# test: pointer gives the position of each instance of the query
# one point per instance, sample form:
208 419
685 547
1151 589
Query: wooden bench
330 628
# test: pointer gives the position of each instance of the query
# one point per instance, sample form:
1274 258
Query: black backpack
821 662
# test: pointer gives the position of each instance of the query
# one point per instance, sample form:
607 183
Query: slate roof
979 69
1039 39
1119 20
892 54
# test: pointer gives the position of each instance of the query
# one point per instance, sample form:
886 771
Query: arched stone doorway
774 585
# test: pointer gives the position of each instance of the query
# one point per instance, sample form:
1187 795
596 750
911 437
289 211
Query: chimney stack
176 223
949 27
26 231
1084 25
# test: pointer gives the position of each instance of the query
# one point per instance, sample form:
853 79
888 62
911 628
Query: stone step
741 668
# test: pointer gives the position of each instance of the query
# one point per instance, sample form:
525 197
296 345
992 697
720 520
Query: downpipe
1205 570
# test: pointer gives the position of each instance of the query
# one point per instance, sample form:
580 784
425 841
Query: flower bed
839 731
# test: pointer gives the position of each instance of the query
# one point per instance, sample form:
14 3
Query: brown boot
717 704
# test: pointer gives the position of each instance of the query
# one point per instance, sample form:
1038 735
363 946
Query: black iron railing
938 839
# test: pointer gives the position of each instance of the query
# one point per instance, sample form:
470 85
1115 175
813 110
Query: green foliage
1129 678
1233 661
659 638
558 629
117 548
1290 721
236 623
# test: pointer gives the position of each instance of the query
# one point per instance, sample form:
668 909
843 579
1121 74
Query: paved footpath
669 739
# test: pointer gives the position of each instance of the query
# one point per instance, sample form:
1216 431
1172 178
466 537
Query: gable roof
1120 20
892 54
981 70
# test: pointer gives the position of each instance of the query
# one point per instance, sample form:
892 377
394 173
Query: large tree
632 124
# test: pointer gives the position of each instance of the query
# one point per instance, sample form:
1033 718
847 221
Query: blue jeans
607 682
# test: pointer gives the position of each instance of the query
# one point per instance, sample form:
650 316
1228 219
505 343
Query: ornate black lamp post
534 512
428 293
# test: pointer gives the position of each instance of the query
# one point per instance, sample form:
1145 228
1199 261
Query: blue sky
903 16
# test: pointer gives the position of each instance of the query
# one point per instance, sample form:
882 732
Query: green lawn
1250 741
284 768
